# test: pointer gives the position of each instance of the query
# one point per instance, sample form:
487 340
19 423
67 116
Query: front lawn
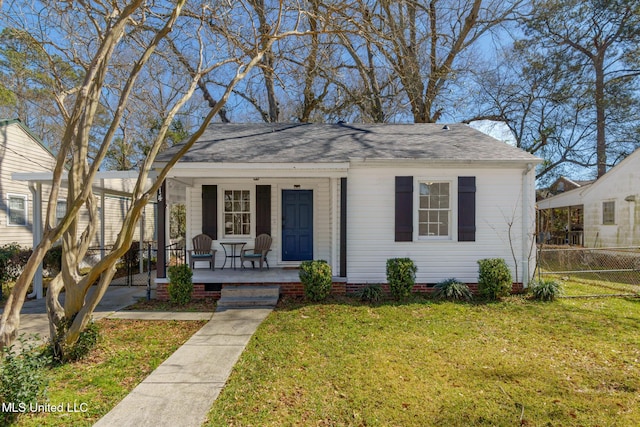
127 352
517 362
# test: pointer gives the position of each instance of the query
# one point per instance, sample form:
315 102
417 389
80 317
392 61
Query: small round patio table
233 252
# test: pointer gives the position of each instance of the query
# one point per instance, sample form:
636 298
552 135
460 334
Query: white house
356 195
20 151
26 167
611 205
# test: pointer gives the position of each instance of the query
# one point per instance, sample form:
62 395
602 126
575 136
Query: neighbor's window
237 212
61 210
17 210
608 213
434 213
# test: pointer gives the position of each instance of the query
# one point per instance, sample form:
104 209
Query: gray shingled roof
328 143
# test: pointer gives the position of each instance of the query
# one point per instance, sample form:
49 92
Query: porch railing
175 254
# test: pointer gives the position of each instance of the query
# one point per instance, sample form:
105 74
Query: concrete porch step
249 296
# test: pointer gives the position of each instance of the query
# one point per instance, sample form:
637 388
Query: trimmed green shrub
316 279
452 290
494 279
180 285
401 276
371 293
13 258
23 378
546 289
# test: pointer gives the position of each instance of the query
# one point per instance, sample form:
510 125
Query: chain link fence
605 266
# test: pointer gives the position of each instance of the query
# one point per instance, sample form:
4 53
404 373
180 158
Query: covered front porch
305 215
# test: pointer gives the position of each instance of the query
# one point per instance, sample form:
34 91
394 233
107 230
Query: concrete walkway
181 390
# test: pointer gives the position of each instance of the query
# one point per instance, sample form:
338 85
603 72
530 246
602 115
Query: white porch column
102 215
335 214
141 240
36 193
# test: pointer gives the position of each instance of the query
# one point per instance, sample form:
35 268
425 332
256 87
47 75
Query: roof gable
328 143
631 162
27 131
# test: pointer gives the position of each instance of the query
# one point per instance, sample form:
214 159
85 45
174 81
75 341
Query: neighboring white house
20 151
26 167
356 195
611 205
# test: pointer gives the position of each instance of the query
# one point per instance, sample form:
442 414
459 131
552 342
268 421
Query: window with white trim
61 210
434 209
237 212
16 210
609 213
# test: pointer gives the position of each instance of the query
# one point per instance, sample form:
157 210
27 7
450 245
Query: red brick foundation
296 290
288 289
425 288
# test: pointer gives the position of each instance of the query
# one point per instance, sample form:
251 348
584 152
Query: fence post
149 271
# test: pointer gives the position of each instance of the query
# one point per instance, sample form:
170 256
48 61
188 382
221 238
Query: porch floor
248 275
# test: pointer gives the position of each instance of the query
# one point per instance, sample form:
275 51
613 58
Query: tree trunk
11 314
601 143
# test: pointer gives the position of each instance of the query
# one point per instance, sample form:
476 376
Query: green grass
127 352
575 286
196 305
516 362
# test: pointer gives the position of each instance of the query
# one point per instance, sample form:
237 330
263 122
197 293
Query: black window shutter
466 208
210 211
343 227
404 209
263 209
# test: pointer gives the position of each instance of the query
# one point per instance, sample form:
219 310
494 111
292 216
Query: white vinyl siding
19 152
115 208
371 219
620 186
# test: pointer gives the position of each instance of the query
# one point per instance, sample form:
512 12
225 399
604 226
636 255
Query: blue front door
297 225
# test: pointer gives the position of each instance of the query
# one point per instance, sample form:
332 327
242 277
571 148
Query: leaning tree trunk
11 314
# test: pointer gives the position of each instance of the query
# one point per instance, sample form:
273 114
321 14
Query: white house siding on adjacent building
618 189
19 152
22 153
322 214
499 192
116 208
